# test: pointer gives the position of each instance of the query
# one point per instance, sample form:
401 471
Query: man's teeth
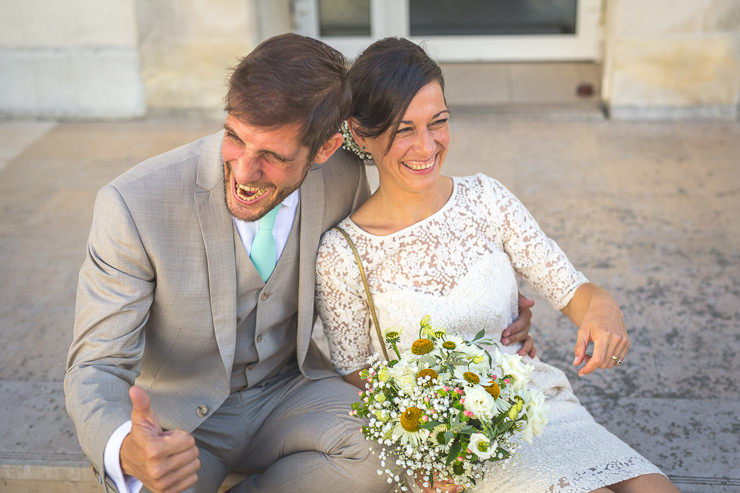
248 192
419 165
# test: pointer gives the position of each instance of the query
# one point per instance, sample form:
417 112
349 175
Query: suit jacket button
264 296
202 411
259 338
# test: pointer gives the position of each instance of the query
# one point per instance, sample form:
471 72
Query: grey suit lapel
218 239
312 214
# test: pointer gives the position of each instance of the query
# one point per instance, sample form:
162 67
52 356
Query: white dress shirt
247 231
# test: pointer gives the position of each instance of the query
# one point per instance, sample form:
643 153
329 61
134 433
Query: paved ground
649 210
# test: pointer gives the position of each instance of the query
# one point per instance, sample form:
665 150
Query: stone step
76 477
39 477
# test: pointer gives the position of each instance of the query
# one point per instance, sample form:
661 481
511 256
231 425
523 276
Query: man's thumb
142 413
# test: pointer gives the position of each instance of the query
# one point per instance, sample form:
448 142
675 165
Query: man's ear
328 148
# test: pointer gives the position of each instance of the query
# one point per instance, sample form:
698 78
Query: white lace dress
459 266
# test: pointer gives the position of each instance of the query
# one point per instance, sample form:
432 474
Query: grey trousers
289 435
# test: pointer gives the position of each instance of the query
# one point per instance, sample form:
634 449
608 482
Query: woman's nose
425 141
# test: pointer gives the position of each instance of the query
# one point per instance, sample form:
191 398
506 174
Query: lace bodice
459 265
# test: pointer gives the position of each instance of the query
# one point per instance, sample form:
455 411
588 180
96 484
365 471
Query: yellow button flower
428 372
471 377
493 389
422 346
410 419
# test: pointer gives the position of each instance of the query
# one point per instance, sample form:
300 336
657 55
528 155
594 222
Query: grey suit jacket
156 299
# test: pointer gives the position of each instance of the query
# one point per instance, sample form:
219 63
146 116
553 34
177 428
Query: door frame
391 18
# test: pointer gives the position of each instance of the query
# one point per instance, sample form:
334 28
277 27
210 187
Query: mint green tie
264 251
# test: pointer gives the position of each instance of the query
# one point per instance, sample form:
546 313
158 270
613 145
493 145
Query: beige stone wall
124 58
187 48
672 59
70 59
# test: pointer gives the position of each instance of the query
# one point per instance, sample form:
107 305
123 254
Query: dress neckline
445 206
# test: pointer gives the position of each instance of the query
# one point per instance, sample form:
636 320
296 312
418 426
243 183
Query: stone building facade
85 59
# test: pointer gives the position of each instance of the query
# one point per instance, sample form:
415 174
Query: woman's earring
348 142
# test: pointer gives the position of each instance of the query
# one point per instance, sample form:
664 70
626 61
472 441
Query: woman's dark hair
292 79
384 80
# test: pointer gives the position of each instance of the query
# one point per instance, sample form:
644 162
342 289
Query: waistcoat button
202 411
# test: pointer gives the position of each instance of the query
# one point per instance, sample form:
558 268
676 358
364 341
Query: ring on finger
617 359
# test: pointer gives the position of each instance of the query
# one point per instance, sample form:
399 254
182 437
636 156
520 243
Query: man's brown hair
292 79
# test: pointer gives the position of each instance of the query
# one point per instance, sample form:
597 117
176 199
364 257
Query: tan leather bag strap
367 290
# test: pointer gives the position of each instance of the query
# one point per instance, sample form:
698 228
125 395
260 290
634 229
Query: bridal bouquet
447 409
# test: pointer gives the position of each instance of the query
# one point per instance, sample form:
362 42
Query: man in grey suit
190 359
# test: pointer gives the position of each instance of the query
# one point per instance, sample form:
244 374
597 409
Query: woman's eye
440 122
404 130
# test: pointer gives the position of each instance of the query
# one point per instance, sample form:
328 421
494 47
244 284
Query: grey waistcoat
266 315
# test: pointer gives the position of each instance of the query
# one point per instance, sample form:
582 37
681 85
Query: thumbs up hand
165 461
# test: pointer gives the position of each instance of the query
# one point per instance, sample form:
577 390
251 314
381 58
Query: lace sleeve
534 255
341 304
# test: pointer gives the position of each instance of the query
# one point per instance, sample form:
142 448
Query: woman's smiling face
414 160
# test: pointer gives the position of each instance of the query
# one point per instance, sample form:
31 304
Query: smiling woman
410 158
451 248
401 118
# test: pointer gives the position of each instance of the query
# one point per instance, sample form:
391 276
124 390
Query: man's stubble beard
278 199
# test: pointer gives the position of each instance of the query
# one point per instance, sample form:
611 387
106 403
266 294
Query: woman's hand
599 320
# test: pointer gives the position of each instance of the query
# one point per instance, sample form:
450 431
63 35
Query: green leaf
481 333
429 425
457 428
454 451
428 360
448 436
